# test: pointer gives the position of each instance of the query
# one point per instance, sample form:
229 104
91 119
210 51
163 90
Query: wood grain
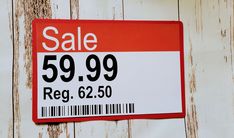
24 13
6 60
154 10
208 28
209 67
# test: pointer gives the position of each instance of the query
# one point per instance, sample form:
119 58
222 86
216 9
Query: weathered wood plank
154 10
104 9
60 9
24 13
6 62
161 128
101 129
151 9
208 40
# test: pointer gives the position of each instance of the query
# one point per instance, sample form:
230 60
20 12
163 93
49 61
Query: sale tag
107 70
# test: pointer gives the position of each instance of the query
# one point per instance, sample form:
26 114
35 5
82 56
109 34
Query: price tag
107 70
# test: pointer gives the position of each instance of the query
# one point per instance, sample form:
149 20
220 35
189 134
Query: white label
144 83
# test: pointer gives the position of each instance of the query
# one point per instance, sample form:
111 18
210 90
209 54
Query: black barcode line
83 110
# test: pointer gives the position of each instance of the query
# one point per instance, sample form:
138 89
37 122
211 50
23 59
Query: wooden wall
209 67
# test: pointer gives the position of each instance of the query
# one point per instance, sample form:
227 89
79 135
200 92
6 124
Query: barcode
83 110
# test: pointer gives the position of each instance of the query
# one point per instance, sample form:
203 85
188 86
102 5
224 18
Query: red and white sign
107 70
